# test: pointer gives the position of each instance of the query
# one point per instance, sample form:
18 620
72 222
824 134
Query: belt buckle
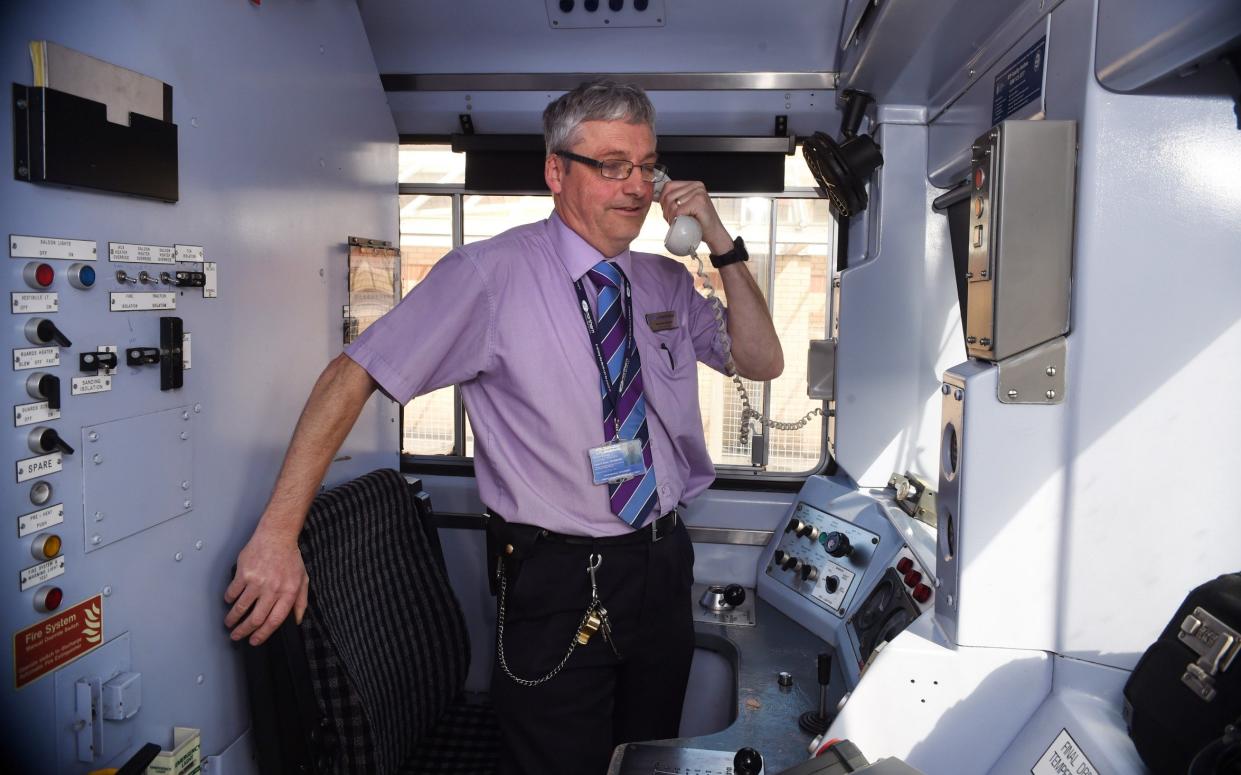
656 535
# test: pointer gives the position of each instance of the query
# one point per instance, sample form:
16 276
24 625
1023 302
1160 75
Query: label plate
210 289
57 640
1020 83
37 574
35 358
141 254
34 302
138 302
52 247
1063 757
101 383
189 252
34 467
40 520
29 414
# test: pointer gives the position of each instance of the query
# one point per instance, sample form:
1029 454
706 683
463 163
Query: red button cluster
913 579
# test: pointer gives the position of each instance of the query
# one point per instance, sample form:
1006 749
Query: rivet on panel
107 591
99 516
93 436
1051 395
198 408
200 679
96 539
185 485
1012 394
1051 371
183 435
186 502
98 459
177 556
185 415
198 545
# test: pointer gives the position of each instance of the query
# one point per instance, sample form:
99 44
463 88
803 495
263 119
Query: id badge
617 461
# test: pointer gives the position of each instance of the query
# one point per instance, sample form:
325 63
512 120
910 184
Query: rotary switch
44 440
809 573
44 331
44 386
808 530
837 544
791 563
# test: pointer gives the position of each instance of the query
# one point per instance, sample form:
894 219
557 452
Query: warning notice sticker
57 640
1063 757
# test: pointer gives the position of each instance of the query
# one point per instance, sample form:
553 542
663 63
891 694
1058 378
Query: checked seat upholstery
372 680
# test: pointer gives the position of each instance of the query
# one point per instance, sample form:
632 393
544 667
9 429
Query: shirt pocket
671 354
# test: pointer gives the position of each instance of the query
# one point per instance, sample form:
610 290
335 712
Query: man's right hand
270 581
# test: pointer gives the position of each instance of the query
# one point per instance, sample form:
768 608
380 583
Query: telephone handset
684 237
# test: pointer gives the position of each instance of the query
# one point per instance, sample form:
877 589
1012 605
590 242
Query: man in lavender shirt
502 318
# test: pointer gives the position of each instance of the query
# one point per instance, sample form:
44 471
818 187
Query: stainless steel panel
1021 232
1035 376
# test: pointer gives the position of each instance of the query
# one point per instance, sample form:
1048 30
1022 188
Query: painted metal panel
286 148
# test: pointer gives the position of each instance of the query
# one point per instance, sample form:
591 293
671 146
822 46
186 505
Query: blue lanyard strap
596 340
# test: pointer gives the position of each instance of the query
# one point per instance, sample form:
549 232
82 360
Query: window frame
728 477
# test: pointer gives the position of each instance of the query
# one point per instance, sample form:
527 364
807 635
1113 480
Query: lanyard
596 340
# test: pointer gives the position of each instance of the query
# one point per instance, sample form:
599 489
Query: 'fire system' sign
57 640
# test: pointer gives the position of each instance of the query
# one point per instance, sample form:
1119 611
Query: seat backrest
385 637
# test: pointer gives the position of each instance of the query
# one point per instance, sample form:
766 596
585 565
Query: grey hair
600 100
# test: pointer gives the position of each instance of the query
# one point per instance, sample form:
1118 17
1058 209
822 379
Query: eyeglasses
617 169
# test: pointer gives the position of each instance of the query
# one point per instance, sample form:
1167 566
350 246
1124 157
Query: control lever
168 355
98 360
748 762
45 386
815 721
44 440
44 331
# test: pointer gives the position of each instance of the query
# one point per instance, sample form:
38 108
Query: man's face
606 213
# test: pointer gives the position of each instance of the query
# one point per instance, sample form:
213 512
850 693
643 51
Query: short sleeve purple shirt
500 318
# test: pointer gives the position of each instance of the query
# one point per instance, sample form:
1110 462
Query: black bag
1183 701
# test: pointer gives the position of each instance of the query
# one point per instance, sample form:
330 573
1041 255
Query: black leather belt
651 532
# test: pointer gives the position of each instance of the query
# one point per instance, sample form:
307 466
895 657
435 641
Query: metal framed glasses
617 169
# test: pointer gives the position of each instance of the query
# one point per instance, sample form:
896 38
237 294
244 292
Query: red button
39 276
922 593
904 566
912 578
979 177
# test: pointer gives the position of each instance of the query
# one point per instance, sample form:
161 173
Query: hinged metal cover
1035 376
1216 644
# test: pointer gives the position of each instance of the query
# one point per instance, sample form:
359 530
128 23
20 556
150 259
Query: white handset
684 237
685 233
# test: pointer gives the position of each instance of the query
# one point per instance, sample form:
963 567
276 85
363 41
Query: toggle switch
123 277
39 275
168 355
44 440
46 387
184 279
81 276
45 547
808 530
44 331
98 360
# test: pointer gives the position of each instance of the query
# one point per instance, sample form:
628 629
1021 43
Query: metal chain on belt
747 410
500 638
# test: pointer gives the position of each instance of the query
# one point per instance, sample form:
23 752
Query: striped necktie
633 499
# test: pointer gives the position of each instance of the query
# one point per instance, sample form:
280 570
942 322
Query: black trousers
570 724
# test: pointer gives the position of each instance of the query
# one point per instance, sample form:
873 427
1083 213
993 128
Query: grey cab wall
286 147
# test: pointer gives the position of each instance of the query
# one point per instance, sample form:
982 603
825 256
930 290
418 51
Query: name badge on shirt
616 462
661 321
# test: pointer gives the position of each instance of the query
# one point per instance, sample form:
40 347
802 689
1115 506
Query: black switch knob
748 762
794 524
734 595
96 360
44 331
837 544
808 573
566 6
807 530
831 584
825 669
616 5
45 386
790 563
640 5
44 440
591 5
778 557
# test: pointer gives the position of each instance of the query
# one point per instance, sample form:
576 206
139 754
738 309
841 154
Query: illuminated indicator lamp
921 593
47 599
980 177
38 275
912 578
81 276
46 546
977 207
904 566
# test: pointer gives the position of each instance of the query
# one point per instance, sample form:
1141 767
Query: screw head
1051 371
1051 395
97 459
184 435
107 590
23 171
93 436
198 408
1012 394
186 503
198 545
99 516
959 394
200 679
185 415
185 485
945 389
96 539
177 556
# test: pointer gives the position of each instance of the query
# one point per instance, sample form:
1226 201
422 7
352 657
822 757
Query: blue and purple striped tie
632 500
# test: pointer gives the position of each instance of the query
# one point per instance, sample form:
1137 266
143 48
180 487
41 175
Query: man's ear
553 171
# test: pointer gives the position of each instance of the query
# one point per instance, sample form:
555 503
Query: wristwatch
738 253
